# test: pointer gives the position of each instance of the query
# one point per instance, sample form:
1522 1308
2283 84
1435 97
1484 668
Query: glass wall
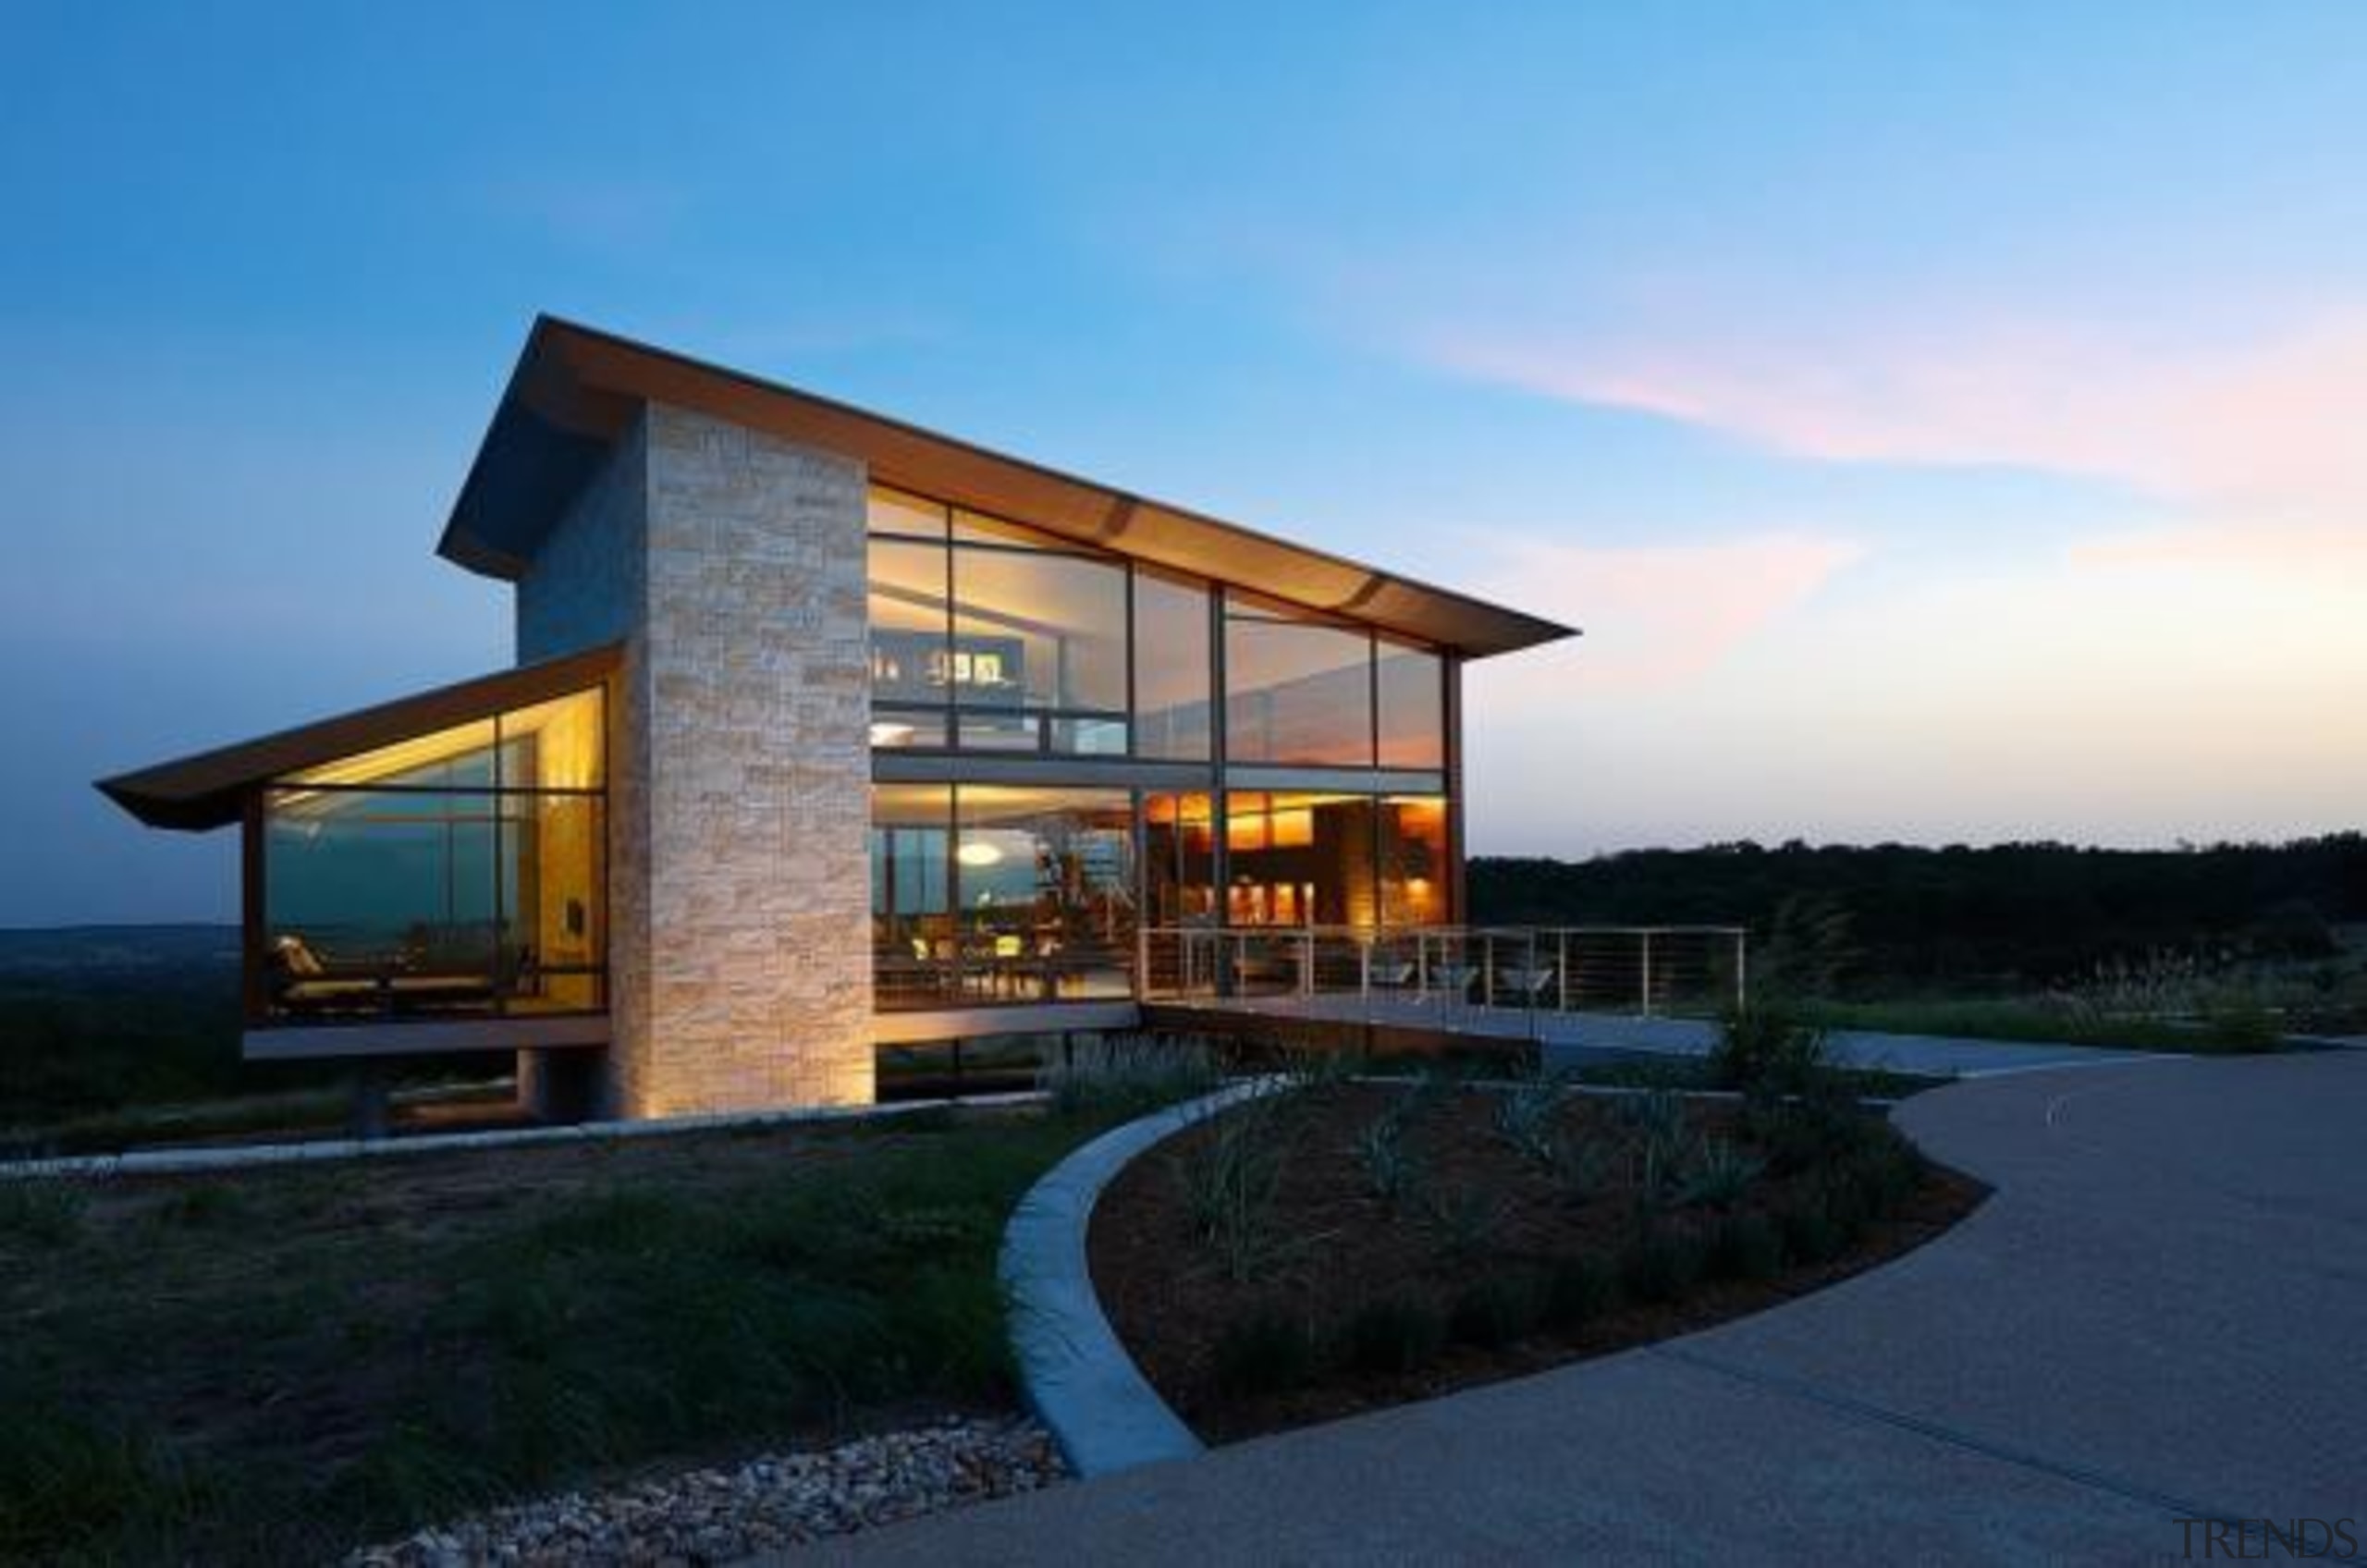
460 871
1180 859
990 636
1415 875
1297 688
1172 667
995 641
911 894
991 893
1409 690
1298 858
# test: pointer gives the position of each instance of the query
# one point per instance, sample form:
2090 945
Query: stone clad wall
740 892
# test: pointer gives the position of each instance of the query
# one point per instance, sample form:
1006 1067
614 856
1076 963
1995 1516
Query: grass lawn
2008 1019
278 1366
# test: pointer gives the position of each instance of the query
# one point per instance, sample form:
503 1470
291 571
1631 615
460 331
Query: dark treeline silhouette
2033 913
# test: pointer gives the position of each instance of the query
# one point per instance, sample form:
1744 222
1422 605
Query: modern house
827 732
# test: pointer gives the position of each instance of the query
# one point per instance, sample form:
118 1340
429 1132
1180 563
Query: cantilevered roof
205 790
576 390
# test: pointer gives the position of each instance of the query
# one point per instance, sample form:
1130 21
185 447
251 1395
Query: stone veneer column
732 564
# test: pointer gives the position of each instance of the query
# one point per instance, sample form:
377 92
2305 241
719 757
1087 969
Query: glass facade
1297 688
995 642
457 872
999 893
992 637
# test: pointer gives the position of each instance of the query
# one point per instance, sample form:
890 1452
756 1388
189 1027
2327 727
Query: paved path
2162 1313
1570 1039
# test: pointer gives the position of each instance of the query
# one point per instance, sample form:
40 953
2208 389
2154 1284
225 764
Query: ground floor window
460 871
995 893
985 893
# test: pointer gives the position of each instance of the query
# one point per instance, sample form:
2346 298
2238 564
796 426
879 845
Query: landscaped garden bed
1347 1245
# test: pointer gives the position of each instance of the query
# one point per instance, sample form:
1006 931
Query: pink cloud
2276 419
1657 616
2315 549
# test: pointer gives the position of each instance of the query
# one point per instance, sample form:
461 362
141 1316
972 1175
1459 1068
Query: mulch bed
1479 1209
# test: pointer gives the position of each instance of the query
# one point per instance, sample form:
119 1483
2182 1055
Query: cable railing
1442 971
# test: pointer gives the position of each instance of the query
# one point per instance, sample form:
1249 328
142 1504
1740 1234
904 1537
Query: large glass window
1298 688
984 893
992 636
1296 858
1413 866
1411 685
1047 881
1179 846
912 895
1172 667
460 871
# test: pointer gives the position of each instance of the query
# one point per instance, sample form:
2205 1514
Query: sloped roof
576 390
205 790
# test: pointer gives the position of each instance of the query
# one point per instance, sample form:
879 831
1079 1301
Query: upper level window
1409 684
1173 710
991 635
1299 688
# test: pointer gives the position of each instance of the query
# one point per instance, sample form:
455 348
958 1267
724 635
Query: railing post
1487 970
1307 966
1562 971
1742 962
1528 983
1647 971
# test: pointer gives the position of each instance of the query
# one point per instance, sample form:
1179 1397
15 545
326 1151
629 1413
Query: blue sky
1945 419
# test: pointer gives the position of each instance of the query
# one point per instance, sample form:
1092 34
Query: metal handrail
1453 967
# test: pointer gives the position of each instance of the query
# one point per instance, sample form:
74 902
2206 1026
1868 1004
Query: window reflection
1299 859
1298 688
1171 666
1411 685
911 899
1413 865
457 872
1046 891
1038 630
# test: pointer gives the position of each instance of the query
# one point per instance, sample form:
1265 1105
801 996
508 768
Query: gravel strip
719 1515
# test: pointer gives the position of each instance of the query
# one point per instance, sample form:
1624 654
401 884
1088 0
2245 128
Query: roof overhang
209 790
576 390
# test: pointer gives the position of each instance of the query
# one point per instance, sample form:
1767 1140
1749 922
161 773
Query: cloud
1656 616
2312 549
2274 421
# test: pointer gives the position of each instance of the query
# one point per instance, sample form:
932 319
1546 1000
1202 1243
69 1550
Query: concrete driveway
2162 1314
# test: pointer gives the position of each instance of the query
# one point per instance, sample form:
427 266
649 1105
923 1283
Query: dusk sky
1949 422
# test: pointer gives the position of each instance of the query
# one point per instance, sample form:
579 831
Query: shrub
1746 1247
1394 1334
1809 1235
1466 1219
1229 1180
1524 1119
1720 1175
1496 1310
1768 1051
1577 1290
1267 1351
1131 1074
1662 1265
1390 1171
1581 1170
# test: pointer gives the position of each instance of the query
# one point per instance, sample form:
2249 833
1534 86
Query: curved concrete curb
1077 1377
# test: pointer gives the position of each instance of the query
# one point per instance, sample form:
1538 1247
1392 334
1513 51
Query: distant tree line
2028 913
